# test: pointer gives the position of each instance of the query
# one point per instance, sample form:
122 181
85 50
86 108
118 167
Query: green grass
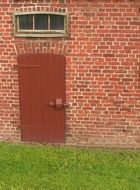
38 167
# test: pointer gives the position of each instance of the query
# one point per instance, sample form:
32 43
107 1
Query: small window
40 24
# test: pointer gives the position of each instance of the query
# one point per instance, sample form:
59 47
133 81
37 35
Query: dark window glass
56 22
25 22
41 22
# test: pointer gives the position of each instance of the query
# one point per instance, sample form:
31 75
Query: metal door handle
58 104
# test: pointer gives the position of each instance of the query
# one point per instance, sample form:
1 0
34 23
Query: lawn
38 167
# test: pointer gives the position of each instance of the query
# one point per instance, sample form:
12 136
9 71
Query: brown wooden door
42 97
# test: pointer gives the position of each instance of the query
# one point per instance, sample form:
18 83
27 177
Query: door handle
58 104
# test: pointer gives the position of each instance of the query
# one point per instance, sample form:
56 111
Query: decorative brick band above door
41 46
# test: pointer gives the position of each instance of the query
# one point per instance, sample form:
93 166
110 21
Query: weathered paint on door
42 97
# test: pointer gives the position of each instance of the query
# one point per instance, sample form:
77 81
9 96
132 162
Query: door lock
58 103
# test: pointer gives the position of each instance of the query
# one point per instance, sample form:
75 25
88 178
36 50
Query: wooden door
42 97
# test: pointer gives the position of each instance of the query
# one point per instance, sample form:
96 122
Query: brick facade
102 69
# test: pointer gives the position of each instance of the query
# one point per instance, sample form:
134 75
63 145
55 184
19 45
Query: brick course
102 70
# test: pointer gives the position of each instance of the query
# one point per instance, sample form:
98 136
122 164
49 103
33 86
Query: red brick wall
102 70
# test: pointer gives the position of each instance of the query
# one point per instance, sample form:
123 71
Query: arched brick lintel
45 46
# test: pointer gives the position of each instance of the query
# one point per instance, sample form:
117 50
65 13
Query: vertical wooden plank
30 95
55 88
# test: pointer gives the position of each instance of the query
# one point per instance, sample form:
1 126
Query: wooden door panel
42 80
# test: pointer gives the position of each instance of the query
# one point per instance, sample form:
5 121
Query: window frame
40 33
